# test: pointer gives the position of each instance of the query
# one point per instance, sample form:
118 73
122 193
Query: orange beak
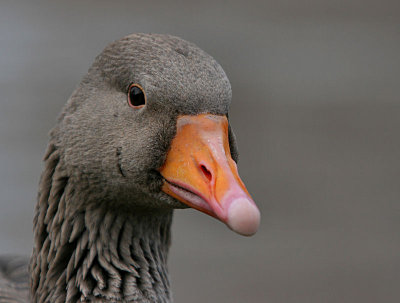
199 171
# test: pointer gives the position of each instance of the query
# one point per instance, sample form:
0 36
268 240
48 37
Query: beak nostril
206 172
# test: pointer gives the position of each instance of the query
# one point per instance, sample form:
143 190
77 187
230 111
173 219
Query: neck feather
95 254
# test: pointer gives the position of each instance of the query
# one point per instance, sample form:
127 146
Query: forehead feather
168 68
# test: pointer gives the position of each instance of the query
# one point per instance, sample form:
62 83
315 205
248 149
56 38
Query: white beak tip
243 217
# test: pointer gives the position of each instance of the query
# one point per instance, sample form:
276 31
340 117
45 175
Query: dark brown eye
136 96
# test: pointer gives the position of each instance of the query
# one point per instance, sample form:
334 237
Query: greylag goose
145 132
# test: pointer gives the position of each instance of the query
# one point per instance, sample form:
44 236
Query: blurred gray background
316 110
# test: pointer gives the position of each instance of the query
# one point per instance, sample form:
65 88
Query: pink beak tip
243 216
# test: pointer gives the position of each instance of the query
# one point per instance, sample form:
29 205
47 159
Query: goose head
148 128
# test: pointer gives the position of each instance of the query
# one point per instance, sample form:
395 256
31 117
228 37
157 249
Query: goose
144 133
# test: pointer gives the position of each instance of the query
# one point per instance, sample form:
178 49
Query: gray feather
14 284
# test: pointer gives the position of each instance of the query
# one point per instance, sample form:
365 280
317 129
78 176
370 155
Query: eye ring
136 96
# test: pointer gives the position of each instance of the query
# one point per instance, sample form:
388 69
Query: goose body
145 132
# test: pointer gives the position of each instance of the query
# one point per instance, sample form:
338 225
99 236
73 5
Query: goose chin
236 210
192 199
